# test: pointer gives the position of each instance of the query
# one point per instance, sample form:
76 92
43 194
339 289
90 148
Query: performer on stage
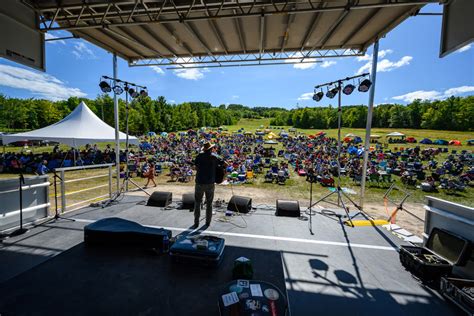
206 164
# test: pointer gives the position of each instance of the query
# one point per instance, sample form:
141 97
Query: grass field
296 187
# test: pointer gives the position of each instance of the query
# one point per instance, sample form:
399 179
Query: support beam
116 119
333 28
169 14
290 18
122 40
240 33
170 32
373 77
262 33
218 35
314 23
194 34
361 26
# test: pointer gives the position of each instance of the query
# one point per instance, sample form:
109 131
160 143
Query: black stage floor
337 271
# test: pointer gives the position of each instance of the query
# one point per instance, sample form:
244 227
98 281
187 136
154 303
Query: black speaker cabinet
241 204
160 199
188 201
288 208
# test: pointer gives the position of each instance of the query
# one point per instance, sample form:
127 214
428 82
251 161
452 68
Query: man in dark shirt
205 163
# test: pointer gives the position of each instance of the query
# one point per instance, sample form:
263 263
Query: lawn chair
159 169
357 179
387 178
250 176
267 162
374 178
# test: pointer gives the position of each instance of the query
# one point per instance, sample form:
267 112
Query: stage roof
226 32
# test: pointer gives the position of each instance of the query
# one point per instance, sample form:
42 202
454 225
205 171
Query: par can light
118 89
364 86
105 87
348 89
318 96
332 92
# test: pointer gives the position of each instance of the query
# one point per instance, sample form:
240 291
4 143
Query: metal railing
61 177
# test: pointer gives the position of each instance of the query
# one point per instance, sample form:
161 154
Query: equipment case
442 250
115 231
460 292
186 248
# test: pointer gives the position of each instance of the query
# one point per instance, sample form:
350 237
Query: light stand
128 88
338 190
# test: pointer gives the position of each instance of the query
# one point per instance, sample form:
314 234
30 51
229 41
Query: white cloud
464 48
327 64
81 51
158 70
432 95
49 36
420 94
309 63
40 84
386 65
235 97
306 96
171 101
458 90
189 73
382 54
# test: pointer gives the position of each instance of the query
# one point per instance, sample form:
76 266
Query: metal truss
255 59
79 15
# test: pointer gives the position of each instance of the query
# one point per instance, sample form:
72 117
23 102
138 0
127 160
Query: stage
338 271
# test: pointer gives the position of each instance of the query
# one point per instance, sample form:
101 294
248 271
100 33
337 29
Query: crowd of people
249 156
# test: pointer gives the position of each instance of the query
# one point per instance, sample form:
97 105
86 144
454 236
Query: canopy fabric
79 128
395 134
375 136
350 135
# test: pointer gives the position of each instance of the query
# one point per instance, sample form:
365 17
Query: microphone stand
21 230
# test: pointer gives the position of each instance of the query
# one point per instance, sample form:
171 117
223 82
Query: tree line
147 114
454 113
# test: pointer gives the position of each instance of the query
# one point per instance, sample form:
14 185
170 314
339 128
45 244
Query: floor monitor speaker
288 208
160 199
188 201
240 204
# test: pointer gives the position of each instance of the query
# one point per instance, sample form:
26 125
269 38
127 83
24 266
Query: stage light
364 86
105 87
332 92
118 89
143 93
318 96
134 93
131 91
348 89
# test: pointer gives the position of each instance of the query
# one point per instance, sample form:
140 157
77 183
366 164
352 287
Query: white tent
395 134
79 128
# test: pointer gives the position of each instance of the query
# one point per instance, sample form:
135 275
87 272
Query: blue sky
409 67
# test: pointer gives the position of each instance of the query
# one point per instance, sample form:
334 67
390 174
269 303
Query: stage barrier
81 195
35 201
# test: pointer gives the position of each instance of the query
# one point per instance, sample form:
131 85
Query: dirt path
269 197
